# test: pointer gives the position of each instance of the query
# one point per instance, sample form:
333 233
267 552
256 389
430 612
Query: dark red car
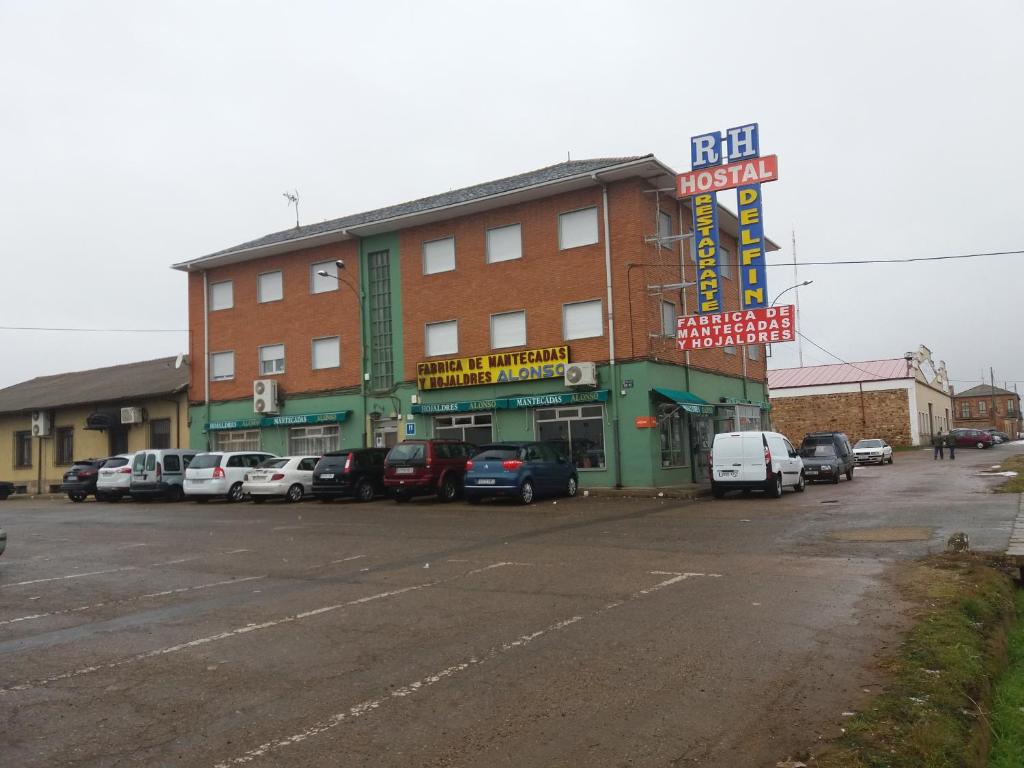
972 438
427 467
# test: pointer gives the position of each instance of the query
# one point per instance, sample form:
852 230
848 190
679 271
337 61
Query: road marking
365 707
238 631
165 593
132 546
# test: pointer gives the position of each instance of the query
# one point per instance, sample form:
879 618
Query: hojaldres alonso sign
768 325
498 368
745 171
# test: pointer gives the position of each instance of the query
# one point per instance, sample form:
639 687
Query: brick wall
1002 419
884 414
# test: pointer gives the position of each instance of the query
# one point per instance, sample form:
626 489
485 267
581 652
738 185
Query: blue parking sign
410 428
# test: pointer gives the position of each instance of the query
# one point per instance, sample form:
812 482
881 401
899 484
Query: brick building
986 406
902 400
457 315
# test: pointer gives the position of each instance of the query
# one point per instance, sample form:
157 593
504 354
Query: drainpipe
206 352
616 442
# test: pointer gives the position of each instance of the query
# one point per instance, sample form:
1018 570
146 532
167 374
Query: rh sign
734 329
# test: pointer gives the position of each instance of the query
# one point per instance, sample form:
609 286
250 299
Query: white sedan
288 477
872 451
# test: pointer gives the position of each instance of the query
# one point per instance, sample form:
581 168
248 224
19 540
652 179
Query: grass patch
1013 484
1008 710
935 711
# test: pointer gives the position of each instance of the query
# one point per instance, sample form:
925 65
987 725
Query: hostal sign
500 368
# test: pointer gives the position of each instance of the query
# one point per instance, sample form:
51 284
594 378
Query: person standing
951 444
937 441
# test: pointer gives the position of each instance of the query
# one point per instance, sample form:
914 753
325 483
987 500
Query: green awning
686 400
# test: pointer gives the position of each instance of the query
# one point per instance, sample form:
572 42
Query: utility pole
992 391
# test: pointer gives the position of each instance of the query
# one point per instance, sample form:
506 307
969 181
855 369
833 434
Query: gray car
844 458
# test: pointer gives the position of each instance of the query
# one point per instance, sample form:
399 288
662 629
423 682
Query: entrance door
118 437
701 437
385 433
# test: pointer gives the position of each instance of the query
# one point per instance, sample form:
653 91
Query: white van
764 461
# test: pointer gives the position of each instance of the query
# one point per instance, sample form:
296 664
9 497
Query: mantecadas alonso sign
769 325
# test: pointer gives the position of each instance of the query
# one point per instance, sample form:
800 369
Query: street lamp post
362 335
799 342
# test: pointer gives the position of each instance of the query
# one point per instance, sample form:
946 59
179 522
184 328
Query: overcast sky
134 135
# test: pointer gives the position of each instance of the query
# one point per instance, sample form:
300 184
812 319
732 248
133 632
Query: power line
873 374
92 330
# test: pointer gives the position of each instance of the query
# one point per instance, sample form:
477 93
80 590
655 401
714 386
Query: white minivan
764 461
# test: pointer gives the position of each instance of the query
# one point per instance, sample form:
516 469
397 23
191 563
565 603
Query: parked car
520 470
115 478
79 482
3 540
6 489
872 451
1000 437
355 472
747 461
220 474
844 451
159 473
972 438
821 463
422 467
288 477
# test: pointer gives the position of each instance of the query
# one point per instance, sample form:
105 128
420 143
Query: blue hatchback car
522 471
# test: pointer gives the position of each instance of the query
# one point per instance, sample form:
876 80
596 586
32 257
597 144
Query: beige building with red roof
903 400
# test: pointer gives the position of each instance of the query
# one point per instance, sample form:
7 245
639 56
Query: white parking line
240 631
416 686
165 593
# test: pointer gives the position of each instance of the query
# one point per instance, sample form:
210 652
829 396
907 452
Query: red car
426 467
972 438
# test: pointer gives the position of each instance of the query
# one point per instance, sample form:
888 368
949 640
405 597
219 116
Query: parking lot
591 631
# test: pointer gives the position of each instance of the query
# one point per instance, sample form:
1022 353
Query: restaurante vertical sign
706 151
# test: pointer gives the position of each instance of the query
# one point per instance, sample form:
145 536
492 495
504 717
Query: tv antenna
293 199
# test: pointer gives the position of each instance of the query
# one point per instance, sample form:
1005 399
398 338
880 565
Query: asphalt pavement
591 631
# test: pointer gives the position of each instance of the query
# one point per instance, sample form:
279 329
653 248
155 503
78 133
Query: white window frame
261 360
668 318
565 328
217 354
236 440
521 313
725 263
426 338
490 257
563 217
318 438
982 408
312 353
427 269
259 286
318 284
231 295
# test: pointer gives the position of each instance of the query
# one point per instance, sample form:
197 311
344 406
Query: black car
6 489
356 473
844 460
80 480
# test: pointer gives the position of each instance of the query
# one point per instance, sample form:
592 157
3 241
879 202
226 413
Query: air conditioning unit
40 423
133 415
581 375
264 396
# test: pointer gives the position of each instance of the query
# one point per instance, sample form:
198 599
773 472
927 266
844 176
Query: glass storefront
578 432
236 440
475 428
314 441
672 435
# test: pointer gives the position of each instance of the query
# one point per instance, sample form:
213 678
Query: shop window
504 243
314 441
442 338
439 256
326 353
672 433
508 329
748 418
222 295
269 287
64 447
271 359
577 228
576 432
236 440
668 318
582 320
665 230
22 450
160 433
475 428
222 366
323 283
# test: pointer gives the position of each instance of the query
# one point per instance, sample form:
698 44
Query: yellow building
48 422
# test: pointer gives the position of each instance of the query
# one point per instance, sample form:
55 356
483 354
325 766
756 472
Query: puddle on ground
882 534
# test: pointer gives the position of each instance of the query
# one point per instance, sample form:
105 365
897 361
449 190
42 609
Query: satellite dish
178 360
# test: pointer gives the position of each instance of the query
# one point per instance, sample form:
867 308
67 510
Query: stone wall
884 414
